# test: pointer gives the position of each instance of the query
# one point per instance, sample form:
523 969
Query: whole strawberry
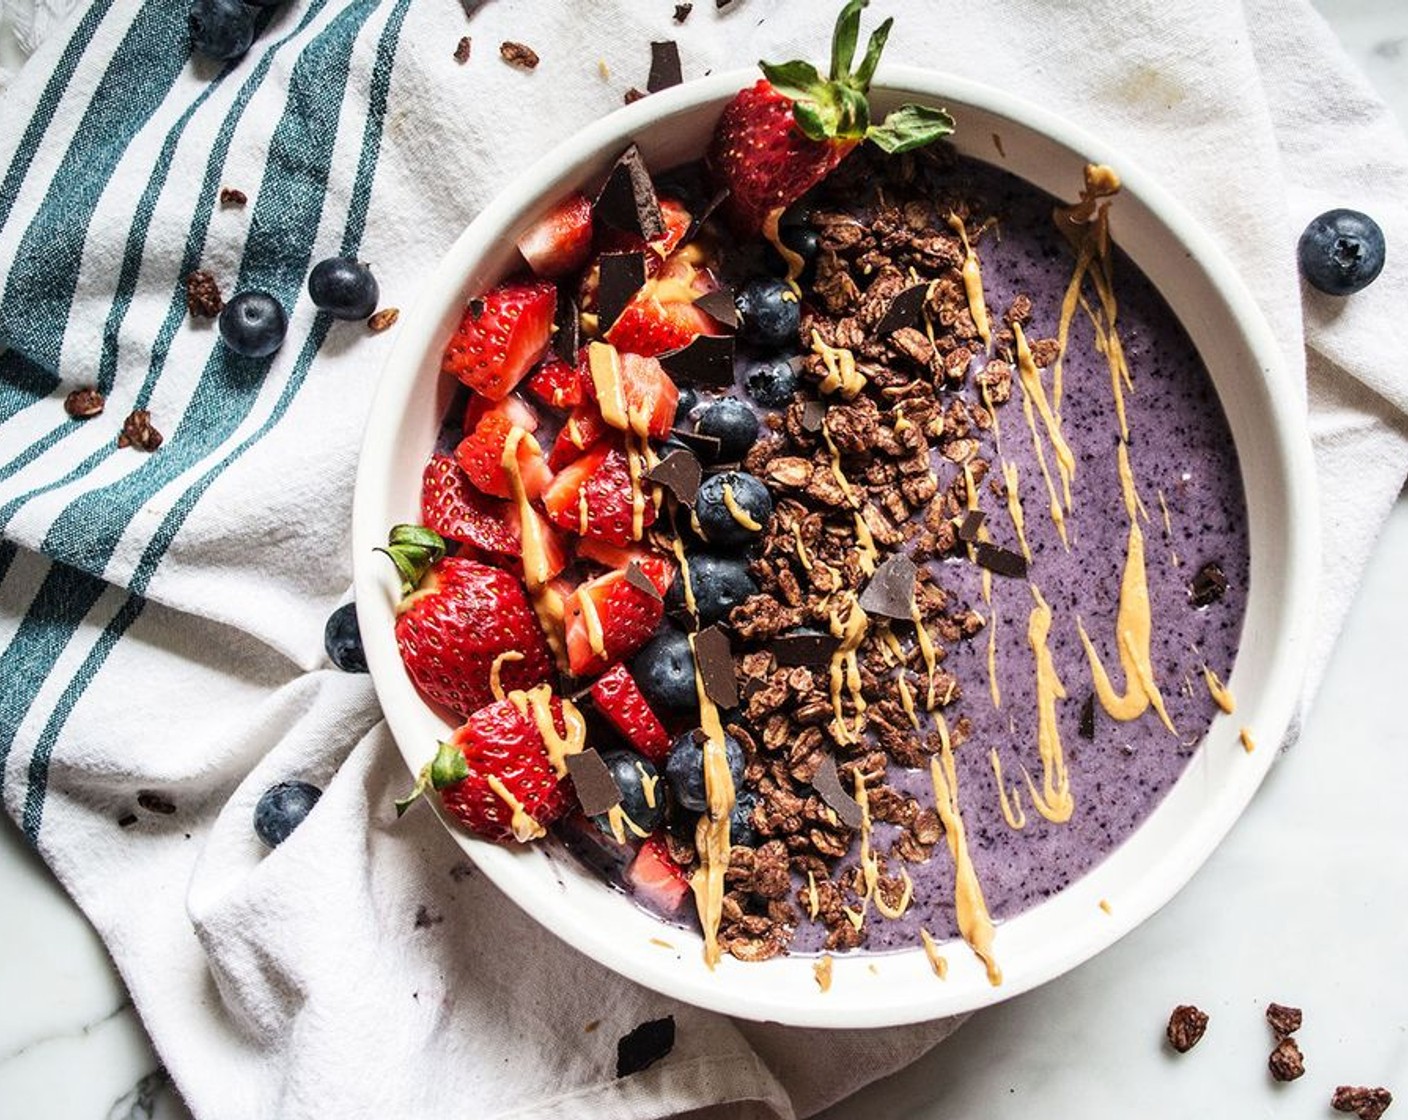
459 616
779 138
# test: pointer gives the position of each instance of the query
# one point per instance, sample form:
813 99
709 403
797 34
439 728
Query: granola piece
853 426
230 196
833 286
1284 1020
1185 1027
1286 1062
1044 351
1366 1103
996 379
757 458
519 54
914 345
383 319
632 95
761 616
771 876
1020 311
462 49
137 431
84 404
789 472
203 297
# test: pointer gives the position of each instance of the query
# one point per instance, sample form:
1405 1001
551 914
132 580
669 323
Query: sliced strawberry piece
613 555
514 408
557 384
554 547
608 618
593 497
657 881
458 511
561 240
501 335
584 429
620 701
651 396
481 453
649 327
677 222
660 570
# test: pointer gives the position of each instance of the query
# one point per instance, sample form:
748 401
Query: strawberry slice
677 222
501 335
651 396
584 428
613 555
608 618
620 701
480 454
517 410
554 548
592 497
656 880
560 385
561 240
649 326
456 510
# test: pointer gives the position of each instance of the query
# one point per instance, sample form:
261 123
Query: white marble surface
1303 904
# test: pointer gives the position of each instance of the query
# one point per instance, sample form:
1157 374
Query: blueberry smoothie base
878 226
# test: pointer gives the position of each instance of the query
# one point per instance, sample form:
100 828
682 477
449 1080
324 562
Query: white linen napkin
161 615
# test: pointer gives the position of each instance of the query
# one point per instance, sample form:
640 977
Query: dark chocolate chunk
827 782
664 66
706 447
680 473
714 656
566 329
622 275
1087 718
811 650
890 592
645 1046
719 305
1209 585
1002 561
154 802
905 310
627 199
972 523
127 820
591 778
707 360
813 416
682 12
1284 1020
715 201
641 582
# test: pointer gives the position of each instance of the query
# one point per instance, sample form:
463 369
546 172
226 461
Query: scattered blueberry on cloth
156 638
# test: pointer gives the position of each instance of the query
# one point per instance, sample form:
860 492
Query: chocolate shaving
813 416
811 650
719 306
704 215
627 199
1086 730
645 1046
566 329
622 275
890 592
706 447
707 360
664 66
591 778
714 656
682 12
827 782
680 473
905 310
1002 561
972 523
641 582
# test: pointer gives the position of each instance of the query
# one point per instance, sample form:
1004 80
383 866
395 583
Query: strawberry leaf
910 127
861 79
449 767
796 79
811 121
422 784
413 549
844 38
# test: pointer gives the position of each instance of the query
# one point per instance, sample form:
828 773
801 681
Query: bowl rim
1276 706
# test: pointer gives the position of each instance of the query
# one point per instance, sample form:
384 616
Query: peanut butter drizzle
822 968
1058 516
795 264
973 283
635 470
737 512
996 425
1035 391
802 556
661 942
547 603
711 836
926 648
845 667
1133 626
974 922
620 821
937 961
906 897
842 376
1248 743
605 365
971 487
583 512
1068 311
686 582
907 699
496 685
865 545
1221 695
596 637
538 699
648 782
1011 803
1014 507
524 827
992 660
841 480
1053 801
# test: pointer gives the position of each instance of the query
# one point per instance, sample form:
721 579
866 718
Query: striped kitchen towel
162 611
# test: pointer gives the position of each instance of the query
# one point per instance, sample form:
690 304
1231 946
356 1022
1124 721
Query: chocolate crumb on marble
682 12
1186 1027
85 403
645 1045
462 49
1282 1019
519 54
1286 1062
203 297
232 196
137 431
1364 1102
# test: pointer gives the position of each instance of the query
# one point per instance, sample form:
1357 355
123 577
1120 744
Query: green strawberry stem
413 549
836 107
445 769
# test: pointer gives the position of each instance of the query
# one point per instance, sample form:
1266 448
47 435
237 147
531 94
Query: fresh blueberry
772 382
641 797
740 821
720 524
733 424
343 639
719 584
770 314
221 29
282 808
1341 252
664 671
688 402
802 240
253 324
344 288
684 768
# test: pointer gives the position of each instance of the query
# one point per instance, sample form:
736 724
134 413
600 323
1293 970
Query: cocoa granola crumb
203 295
383 319
462 49
1286 1062
1284 1020
1366 1103
632 95
84 404
518 54
232 196
137 431
1185 1027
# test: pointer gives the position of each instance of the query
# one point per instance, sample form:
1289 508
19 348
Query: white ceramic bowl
1143 873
